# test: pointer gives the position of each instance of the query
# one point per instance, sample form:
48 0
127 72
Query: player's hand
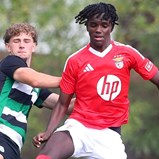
40 138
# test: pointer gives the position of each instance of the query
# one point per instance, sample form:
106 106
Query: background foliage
59 36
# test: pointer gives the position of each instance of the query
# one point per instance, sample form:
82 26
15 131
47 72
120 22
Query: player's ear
8 47
34 46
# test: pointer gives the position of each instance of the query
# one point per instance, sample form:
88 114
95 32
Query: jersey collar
100 54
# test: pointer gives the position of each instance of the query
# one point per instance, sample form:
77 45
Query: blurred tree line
60 36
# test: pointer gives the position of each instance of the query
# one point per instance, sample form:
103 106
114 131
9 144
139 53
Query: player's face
99 31
22 46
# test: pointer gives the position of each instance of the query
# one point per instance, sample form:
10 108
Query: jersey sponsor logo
109 87
149 66
118 61
88 68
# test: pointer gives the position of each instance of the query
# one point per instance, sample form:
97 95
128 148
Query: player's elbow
36 83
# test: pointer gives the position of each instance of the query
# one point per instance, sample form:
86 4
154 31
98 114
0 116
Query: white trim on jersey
26 89
34 95
18 115
23 87
120 44
101 54
71 56
12 134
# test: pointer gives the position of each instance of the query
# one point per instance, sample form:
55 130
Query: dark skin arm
57 116
52 99
155 79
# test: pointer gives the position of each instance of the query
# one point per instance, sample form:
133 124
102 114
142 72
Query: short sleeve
10 64
43 94
143 65
68 81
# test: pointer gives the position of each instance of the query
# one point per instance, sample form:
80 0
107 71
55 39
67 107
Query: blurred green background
60 36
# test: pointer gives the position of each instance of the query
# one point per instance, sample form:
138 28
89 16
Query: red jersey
100 81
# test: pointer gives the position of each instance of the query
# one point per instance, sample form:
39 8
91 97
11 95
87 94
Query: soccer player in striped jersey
99 76
21 87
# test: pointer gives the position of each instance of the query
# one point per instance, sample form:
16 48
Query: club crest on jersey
118 61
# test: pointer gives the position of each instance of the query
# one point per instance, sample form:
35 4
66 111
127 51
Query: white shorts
93 143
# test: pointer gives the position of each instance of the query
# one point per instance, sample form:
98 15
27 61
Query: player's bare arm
56 117
52 99
36 79
155 79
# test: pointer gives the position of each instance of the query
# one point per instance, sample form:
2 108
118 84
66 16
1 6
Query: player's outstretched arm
36 79
57 116
155 79
52 99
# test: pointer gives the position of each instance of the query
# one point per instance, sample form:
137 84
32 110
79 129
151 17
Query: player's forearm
47 81
57 116
59 112
36 79
71 106
51 101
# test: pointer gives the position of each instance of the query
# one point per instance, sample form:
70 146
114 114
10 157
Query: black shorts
8 148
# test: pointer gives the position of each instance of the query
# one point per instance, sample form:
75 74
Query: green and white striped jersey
16 100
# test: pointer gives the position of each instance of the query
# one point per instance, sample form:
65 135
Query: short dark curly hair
18 28
97 9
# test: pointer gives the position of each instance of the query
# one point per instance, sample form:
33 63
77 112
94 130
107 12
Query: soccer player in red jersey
99 76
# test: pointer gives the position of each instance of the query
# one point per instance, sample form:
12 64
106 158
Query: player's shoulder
76 55
119 44
123 47
12 60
